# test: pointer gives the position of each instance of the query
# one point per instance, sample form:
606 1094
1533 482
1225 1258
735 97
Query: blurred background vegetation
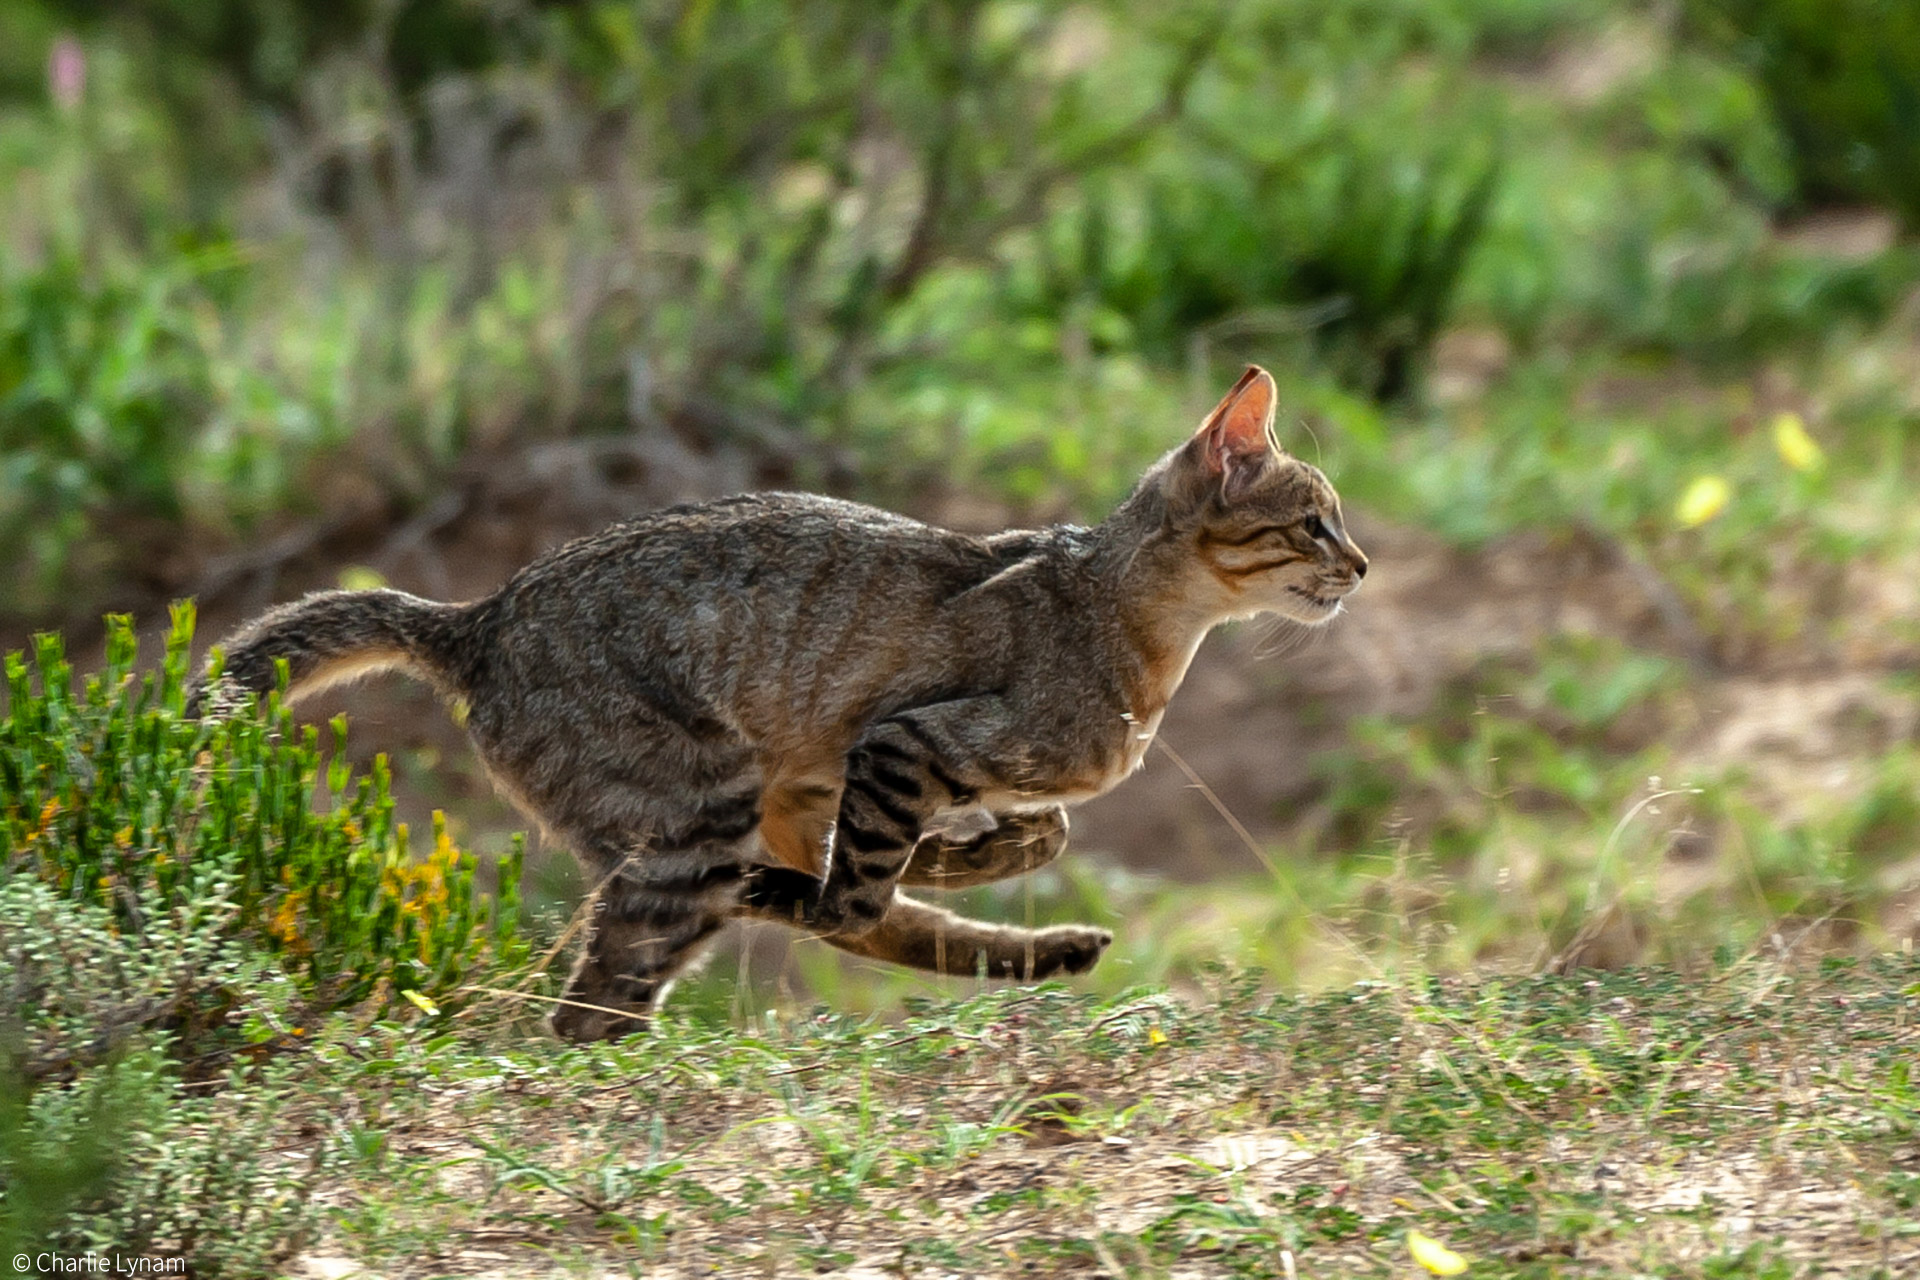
287 289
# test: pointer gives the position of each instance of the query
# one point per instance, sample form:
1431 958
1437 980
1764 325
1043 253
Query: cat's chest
1121 747
1119 754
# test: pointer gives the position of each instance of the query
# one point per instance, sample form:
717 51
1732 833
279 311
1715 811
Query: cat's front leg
902 771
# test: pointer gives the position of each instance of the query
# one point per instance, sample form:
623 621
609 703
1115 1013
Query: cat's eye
1317 530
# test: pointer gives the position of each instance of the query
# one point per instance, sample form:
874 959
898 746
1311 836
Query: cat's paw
580 1022
1068 948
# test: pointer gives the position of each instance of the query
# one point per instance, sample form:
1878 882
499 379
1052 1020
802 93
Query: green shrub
207 1178
1843 80
178 896
101 1148
1360 247
54 1159
204 846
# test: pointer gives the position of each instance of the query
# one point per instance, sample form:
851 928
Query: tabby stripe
885 803
1265 566
883 748
863 840
957 789
866 908
905 784
918 734
647 904
694 879
731 823
1213 539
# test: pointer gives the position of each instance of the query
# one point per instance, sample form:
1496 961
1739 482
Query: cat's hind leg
1021 842
657 901
639 940
922 936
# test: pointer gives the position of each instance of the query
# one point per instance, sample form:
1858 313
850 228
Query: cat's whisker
1281 637
1318 459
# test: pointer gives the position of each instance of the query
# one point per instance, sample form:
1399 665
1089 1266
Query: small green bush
179 896
195 860
53 1159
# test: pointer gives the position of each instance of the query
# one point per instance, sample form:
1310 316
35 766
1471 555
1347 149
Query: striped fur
761 706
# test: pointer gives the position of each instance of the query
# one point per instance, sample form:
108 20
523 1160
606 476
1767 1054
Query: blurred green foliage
1842 78
969 243
128 1158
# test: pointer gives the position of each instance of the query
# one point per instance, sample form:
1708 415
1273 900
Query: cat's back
782 620
766 543
749 600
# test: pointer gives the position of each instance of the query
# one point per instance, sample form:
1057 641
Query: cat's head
1264 526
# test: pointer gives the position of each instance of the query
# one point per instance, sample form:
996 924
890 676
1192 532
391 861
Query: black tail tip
217 699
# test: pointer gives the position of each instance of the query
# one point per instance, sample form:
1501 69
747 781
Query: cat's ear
1235 441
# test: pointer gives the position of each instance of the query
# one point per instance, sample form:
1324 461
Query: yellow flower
1433 1255
1156 1037
1704 499
285 925
1796 447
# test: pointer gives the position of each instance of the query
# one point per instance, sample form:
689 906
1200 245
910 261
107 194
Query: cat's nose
1357 559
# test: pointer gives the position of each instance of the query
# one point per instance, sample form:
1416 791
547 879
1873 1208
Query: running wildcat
770 705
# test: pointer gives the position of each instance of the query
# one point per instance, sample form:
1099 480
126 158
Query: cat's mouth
1317 601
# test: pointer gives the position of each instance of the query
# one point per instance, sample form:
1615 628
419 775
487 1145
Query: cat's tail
334 636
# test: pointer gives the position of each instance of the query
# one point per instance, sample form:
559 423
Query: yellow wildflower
1796 447
422 1003
1433 1255
1704 499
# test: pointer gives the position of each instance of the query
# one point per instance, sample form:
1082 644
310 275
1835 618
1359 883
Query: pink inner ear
1237 428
